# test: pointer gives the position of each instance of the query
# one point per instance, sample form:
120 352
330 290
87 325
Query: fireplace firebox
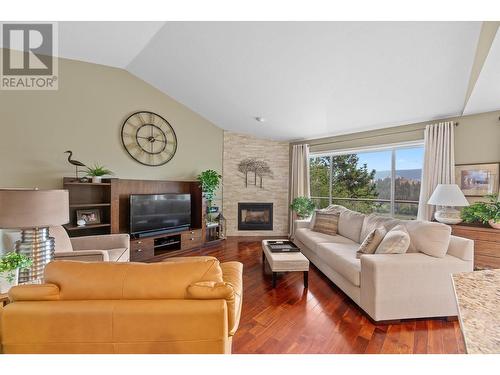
255 216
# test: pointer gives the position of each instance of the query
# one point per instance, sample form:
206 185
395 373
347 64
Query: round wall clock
149 138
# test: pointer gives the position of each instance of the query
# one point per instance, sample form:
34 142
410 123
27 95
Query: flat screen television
159 212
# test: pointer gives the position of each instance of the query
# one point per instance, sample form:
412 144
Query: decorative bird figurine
76 163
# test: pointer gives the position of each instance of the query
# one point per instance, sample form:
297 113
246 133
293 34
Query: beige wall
238 147
477 138
85 115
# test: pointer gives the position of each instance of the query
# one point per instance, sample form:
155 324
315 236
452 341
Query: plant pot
494 224
5 285
96 179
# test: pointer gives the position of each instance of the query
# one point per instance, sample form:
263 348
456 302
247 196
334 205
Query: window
385 180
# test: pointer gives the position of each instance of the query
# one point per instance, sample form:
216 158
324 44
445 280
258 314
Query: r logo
28 49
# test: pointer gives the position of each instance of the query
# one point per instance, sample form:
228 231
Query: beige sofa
390 286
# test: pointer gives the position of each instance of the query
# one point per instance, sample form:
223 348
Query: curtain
439 162
299 178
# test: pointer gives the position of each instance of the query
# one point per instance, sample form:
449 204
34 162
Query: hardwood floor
321 319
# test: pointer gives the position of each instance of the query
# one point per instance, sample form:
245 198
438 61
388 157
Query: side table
4 299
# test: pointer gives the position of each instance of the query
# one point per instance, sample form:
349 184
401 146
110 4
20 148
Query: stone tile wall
238 147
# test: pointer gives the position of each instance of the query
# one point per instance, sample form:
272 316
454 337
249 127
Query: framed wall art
477 180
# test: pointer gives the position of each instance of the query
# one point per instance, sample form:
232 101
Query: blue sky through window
406 158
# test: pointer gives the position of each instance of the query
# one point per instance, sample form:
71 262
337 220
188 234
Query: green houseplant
209 182
487 212
97 172
10 263
303 207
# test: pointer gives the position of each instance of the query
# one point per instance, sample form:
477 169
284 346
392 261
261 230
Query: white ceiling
107 43
307 79
486 94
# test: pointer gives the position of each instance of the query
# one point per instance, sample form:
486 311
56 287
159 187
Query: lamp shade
448 195
33 208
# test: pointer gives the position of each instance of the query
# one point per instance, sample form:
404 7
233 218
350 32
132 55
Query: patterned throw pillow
396 241
371 242
326 222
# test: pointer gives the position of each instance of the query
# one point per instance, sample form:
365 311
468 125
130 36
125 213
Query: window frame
393 147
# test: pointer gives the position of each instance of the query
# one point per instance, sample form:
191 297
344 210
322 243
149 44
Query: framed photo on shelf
91 216
477 180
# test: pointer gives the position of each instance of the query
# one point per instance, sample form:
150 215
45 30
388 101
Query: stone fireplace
238 187
255 216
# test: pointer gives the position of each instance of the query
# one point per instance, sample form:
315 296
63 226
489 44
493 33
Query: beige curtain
299 178
439 163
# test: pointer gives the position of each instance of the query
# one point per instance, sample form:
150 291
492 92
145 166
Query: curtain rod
456 123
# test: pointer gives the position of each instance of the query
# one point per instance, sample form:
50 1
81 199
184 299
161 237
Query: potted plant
97 171
10 263
303 207
487 212
209 182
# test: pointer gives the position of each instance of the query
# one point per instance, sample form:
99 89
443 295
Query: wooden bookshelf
89 195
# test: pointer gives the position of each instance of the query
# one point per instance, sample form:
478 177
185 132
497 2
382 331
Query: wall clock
149 138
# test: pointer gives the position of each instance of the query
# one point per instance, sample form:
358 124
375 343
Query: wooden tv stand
112 199
163 245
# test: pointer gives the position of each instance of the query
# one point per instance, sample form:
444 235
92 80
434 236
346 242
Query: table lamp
34 211
448 196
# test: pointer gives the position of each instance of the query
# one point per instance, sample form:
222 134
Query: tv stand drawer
141 249
194 233
191 239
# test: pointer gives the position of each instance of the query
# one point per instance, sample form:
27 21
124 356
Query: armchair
104 248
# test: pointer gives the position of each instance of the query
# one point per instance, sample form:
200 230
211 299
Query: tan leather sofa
184 305
390 286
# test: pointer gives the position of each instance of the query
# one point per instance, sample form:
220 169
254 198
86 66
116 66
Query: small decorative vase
96 179
494 224
5 285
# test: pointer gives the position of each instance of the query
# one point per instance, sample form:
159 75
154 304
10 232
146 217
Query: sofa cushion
311 238
350 223
428 237
326 222
341 257
371 242
373 221
396 241
123 280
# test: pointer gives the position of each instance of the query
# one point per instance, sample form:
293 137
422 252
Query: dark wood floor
322 319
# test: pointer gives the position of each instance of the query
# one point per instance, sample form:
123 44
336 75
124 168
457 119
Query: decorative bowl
493 224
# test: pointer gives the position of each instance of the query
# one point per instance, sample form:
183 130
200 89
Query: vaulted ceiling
307 79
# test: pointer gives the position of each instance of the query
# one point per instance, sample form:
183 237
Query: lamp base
38 246
448 215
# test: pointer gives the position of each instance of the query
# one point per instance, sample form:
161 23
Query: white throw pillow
396 241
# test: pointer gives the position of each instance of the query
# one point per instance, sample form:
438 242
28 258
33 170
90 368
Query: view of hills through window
364 181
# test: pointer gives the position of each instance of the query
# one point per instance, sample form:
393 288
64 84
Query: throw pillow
371 242
326 222
396 241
